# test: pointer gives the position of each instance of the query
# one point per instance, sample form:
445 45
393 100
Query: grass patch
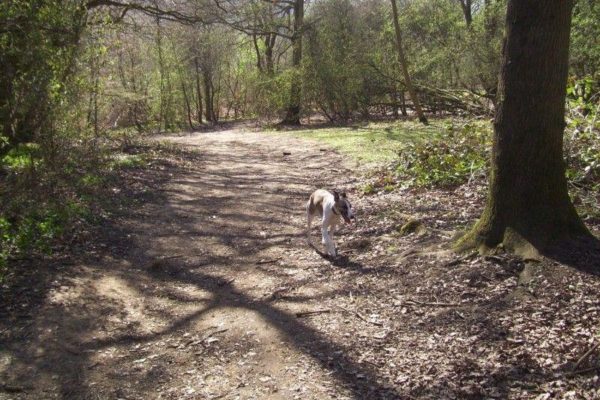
121 160
374 142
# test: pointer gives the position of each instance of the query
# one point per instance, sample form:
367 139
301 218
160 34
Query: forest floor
201 286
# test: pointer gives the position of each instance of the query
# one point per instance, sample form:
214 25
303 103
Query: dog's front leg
332 229
327 241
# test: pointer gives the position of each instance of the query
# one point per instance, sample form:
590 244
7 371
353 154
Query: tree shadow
57 341
330 355
341 261
582 253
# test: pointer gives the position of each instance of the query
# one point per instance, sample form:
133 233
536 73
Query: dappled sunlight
211 288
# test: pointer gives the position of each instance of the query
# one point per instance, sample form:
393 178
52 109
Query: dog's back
315 202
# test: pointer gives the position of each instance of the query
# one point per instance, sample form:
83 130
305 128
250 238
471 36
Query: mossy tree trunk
528 207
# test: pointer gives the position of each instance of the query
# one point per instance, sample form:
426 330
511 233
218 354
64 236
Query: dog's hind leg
309 217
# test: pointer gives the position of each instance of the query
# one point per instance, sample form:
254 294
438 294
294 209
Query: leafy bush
582 144
31 233
47 194
21 157
453 159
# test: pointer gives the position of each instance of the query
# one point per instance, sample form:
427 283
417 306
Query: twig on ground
207 336
585 356
277 292
11 388
583 371
160 259
432 303
496 259
227 282
268 261
460 259
360 316
310 313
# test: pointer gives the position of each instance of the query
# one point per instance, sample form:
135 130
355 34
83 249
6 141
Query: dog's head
343 206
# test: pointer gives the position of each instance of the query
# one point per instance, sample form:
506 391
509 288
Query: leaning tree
528 207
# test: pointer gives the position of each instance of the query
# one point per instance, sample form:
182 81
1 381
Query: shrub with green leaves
582 144
459 156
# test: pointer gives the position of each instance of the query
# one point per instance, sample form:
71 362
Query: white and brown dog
332 208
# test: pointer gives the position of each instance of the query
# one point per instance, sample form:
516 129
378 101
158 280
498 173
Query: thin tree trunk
208 98
404 66
161 114
198 92
292 116
215 101
465 5
258 56
269 45
186 100
95 94
403 104
528 206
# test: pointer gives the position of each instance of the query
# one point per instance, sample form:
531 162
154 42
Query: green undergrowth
582 146
454 151
372 143
47 199
446 153
458 155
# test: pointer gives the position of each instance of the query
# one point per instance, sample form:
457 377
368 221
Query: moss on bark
528 208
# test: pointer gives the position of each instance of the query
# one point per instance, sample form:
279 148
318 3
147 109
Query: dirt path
192 293
187 311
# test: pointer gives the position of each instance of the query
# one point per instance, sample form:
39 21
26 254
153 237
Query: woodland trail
201 287
185 310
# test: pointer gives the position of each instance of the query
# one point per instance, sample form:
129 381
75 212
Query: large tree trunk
292 116
528 208
403 65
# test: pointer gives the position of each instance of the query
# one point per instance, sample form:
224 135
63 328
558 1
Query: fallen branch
8 388
207 336
259 262
460 259
583 371
359 316
227 282
310 313
496 259
277 292
585 356
432 303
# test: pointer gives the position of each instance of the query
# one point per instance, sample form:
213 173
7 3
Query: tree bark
161 68
404 67
209 96
198 92
186 100
465 5
528 207
269 40
258 56
292 116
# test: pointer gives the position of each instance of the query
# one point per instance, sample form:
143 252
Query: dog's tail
310 205
310 211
